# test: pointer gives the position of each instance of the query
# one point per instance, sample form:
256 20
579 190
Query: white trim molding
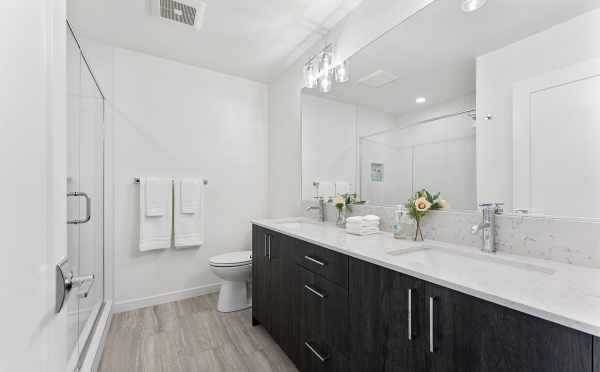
138 303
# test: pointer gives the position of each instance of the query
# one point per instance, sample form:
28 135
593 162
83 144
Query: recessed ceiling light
421 100
472 5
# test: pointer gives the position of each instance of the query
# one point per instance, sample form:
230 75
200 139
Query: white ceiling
254 39
433 53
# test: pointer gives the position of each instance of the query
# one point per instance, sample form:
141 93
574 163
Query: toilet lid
232 259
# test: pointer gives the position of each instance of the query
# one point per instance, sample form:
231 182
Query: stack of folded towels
362 225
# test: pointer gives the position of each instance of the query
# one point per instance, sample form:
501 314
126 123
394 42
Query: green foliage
433 200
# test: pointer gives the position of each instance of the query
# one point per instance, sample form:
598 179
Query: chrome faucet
488 226
321 208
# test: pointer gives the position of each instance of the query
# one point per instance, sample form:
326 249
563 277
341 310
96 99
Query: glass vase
341 218
419 231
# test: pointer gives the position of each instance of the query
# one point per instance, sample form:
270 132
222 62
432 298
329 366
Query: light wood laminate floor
190 336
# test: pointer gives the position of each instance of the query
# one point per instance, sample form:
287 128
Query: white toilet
235 269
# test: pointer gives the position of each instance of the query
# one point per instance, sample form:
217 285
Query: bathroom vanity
336 302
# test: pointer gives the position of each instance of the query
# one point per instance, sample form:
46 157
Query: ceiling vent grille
184 12
378 79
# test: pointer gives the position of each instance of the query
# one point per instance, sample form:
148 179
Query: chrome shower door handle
88 207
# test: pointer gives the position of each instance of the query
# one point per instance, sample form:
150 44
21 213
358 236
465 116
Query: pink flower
422 204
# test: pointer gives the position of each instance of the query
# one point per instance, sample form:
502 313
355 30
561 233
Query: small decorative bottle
397 227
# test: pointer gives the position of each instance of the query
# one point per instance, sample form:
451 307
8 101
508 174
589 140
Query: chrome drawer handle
410 336
313 260
323 359
314 291
431 325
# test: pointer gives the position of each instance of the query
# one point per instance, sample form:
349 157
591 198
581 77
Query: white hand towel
190 189
326 189
371 217
155 231
342 187
362 224
355 219
188 228
155 190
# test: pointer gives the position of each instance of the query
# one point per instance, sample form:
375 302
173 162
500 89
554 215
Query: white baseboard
138 303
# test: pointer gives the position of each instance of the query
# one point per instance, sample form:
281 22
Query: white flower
339 200
422 204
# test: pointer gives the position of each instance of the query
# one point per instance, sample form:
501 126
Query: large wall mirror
501 104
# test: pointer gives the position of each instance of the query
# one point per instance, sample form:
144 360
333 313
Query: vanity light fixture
472 5
342 72
421 100
320 70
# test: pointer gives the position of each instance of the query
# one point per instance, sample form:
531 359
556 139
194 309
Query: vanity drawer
325 315
322 261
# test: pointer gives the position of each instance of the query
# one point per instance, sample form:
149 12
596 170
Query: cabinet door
379 320
596 354
472 335
260 277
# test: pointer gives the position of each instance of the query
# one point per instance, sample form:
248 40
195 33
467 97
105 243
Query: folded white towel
155 189
155 230
188 228
190 190
371 217
355 219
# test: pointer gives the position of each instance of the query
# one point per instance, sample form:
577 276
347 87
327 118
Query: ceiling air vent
184 12
378 79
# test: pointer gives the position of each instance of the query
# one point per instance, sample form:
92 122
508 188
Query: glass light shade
342 72
325 83
325 62
310 76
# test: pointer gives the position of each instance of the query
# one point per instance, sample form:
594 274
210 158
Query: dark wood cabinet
380 312
332 313
472 335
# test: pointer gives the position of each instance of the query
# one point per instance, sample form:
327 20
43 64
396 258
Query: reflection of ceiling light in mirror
421 100
472 5
310 75
342 72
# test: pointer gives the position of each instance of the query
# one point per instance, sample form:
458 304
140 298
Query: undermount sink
295 223
436 255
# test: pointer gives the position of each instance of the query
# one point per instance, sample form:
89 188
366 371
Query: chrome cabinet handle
323 359
313 260
266 235
431 325
88 207
410 336
315 292
269 247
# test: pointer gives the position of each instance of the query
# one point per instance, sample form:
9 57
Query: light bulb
310 76
342 72
325 62
325 83
472 5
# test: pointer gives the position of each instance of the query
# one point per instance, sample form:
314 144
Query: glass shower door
85 201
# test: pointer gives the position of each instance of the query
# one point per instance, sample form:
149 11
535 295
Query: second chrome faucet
488 226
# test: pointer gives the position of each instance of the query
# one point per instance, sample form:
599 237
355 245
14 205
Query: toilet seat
233 259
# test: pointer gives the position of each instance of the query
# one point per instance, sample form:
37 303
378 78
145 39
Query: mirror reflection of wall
436 153
528 72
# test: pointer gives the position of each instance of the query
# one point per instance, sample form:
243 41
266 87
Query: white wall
558 47
177 120
367 22
173 119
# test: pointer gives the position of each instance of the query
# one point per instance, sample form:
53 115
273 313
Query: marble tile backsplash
557 239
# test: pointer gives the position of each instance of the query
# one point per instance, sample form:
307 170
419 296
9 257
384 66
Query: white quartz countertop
565 294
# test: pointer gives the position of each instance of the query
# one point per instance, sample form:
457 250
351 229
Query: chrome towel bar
137 180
